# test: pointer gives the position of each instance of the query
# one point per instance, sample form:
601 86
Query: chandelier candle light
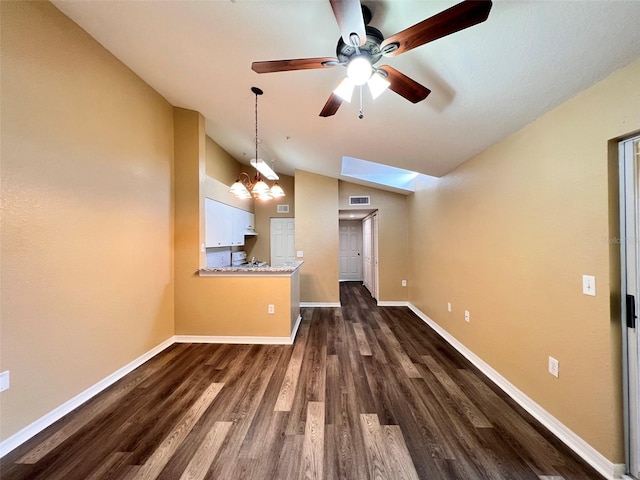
258 188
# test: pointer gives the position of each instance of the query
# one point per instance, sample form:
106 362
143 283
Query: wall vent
365 200
282 209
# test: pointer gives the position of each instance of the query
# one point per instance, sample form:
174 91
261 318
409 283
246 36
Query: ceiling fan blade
454 19
405 86
348 14
293 64
332 106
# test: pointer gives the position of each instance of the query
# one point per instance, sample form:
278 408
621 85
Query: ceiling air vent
282 209
360 200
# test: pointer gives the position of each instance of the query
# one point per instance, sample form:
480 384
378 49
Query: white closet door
630 256
350 250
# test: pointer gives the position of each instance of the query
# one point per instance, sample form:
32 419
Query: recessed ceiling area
486 81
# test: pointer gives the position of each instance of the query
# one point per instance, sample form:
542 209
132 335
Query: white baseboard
391 303
295 329
589 454
242 340
36 427
233 340
320 304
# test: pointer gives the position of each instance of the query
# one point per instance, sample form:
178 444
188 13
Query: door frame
374 238
629 170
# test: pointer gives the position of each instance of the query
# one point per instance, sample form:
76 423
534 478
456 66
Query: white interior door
350 250
630 256
283 241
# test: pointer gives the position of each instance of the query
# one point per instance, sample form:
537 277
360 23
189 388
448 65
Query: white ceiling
487 81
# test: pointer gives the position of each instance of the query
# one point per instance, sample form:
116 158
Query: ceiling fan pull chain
361 114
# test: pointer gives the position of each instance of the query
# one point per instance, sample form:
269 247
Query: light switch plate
589 285
299 254
554 367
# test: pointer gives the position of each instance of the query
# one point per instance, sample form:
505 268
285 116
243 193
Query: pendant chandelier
244 187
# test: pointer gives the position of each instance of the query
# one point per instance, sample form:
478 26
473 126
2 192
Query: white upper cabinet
225 226
246 222
217 224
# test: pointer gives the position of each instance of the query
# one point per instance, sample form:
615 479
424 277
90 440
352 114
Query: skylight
377 173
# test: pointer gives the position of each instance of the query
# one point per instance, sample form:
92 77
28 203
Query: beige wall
189 181
219 164
235 306
317 236
86 251
214 306
393 238
508 236
260 246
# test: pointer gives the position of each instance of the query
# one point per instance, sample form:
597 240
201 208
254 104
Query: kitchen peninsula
262 304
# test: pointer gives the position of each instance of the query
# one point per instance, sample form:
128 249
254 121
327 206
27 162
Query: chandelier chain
256 110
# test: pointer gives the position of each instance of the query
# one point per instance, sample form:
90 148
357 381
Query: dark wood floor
365 393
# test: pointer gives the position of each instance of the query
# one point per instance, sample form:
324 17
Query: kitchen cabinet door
218 224
249 222
237 226
246 222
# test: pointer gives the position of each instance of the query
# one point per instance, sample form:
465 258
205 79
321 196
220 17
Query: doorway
350 250
358 248
283 241
629 152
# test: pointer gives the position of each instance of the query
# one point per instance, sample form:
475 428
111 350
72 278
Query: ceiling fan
361 46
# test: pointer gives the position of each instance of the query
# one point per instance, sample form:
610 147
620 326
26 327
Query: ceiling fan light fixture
359 69
345 89
377 85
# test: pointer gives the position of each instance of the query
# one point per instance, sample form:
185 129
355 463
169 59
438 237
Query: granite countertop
284 269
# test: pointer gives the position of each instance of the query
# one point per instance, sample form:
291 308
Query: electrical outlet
554 367
589 285
404 283
467 316
271 309
448 307
4 381
300 254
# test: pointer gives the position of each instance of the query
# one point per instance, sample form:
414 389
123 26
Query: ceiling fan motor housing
371 48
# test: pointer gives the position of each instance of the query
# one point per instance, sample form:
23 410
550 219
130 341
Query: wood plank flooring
364 393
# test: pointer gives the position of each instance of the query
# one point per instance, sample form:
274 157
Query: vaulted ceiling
487 81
